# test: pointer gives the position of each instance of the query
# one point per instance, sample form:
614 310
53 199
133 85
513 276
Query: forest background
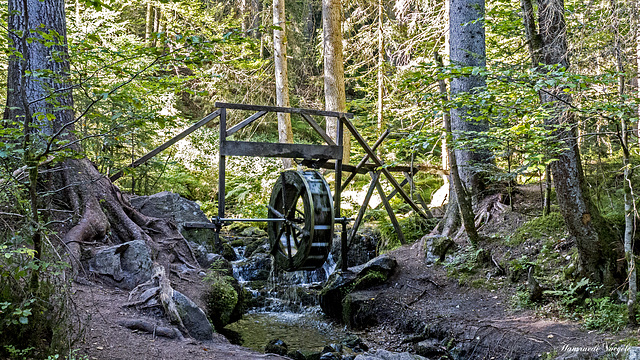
144 70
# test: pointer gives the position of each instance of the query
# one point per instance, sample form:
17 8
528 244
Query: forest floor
472 317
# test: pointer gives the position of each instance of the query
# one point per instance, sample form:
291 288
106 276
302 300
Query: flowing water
288 310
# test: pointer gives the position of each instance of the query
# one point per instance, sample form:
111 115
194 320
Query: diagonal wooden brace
380 164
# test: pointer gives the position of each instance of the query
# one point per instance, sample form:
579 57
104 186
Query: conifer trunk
285 133
334 92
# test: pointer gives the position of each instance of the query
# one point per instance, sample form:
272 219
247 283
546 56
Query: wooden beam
365 158
284 110
164 146
379 163
392 216
375 176
318 129
305 151
245 122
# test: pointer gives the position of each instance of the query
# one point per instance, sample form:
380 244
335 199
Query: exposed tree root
139 324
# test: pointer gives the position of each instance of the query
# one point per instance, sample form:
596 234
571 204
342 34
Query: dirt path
100 309
475 323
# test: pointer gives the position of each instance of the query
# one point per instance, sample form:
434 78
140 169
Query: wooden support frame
164 146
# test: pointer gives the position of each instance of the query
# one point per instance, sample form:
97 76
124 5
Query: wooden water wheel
302 240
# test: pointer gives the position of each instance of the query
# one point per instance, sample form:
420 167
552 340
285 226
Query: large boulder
193 318
340 284
125 265
358 310
437 248
168 205
225 299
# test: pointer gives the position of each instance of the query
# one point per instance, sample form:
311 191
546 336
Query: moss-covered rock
225 299
358 310
228 252
341 284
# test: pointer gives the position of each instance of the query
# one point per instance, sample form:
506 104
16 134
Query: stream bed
309 331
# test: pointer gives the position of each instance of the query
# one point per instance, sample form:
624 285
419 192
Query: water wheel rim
292 247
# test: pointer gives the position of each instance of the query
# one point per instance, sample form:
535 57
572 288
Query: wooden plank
305 151
284 110
365 158
379 163
318 129
245 122
392 216
172 141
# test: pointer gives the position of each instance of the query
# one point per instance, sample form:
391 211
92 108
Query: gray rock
384 264
193 318
253 232
125 265
340 284
429 348
388 355
634 353
276 346
168 205
204 255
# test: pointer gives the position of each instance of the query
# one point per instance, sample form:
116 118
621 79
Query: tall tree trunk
380 66
595 242
463 199
334 93
148 24
467 41
285 133
41 98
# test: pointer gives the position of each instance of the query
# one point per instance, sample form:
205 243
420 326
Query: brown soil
99 310
476 321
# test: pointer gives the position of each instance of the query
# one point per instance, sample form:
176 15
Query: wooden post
338 194
221 162
375 176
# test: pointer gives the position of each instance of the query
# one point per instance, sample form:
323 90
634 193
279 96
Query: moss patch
550 226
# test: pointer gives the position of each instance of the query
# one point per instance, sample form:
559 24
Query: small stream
287 307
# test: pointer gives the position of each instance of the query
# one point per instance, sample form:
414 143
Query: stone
168 205
358 310
253 232
228 253
634 353
276 346
437 248
388 355
225 299
356 344
125 265
429 348
330 356
340 284
193 318
384 264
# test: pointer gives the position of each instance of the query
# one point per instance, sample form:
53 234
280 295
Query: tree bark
380 66
334 92
467 46
594 240
102 214
285 133
148 24
463 199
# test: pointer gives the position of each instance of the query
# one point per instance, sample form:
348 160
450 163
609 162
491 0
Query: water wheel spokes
301 241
